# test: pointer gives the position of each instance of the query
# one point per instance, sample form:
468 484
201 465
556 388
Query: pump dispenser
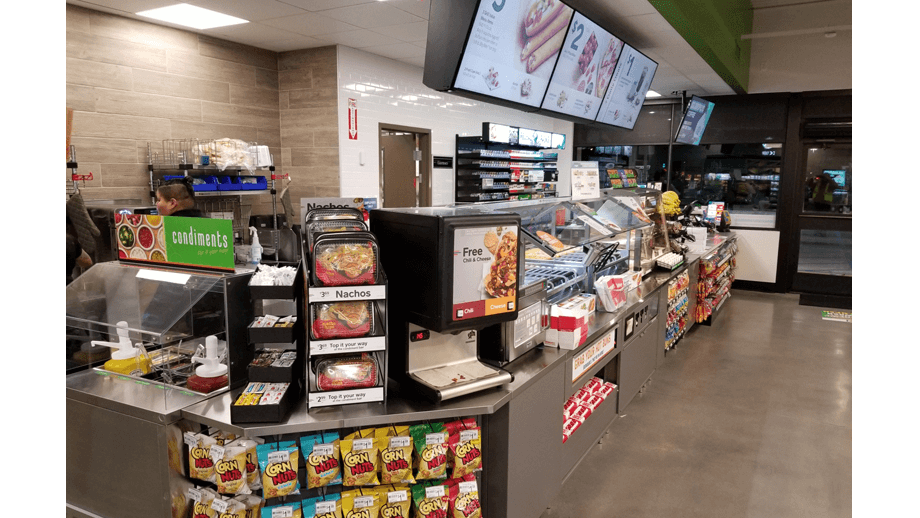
211 374
255 250
127 359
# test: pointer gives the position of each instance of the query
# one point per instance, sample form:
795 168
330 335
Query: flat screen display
558 141
839 176
586 63
511 49
527 137
694 122
544 139
499 133
631 80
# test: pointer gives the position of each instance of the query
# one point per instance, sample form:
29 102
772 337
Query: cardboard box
567 339
611 289
571 313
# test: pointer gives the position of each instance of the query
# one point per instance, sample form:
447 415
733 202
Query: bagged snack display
430 501
201 503
292 510
465 452
359 462
253 476
278 463
430 442
360 504
229 509
321 452
200 464
230 471
396 502
464 499
252 505
395 455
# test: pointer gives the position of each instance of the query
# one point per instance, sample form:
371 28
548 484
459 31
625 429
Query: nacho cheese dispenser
453 271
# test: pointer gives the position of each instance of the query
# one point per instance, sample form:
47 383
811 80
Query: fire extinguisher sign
352 119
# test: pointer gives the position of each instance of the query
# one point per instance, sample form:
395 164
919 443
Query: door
405 166
823 235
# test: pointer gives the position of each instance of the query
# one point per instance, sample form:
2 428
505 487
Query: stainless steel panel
637 363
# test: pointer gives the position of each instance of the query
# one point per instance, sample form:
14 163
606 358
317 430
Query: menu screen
499 133
631 80
586 64
558 141
544 139
527 137
694 122
511 49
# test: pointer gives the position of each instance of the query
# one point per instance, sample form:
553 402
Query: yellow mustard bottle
127 359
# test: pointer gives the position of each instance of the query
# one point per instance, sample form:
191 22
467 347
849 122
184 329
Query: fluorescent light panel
192 16
652 93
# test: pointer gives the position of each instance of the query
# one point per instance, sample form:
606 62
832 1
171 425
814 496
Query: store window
826 252
649 162
828 179
744 176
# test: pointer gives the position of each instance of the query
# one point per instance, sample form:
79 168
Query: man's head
174 196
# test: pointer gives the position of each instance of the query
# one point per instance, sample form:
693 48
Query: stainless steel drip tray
459 379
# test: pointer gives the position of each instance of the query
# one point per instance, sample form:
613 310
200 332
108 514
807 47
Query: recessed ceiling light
652 93
192 16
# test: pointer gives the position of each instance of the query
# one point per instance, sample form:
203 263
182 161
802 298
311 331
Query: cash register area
754 419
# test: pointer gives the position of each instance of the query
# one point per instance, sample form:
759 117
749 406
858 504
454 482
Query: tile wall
388 91
131 82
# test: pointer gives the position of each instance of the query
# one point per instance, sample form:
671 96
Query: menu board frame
620 63
710 106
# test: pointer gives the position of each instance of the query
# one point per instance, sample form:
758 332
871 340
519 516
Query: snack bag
291 510
321 452
359 462
230 471
360 504
431 450
252 505
201 506
362 434
253 477
223 438
329 506
395 503
453 427
200 464
465 452
464 500
431 501
231 509
395 455
278 462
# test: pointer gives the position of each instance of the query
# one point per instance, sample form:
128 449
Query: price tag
468 487
468 435
400 442
217 453
434 491
220 505
277 457
323 450
325 507
194 494
363 501
395 497
190 439
283 512
362 444
434 438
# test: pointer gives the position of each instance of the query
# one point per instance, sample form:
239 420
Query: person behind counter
177 198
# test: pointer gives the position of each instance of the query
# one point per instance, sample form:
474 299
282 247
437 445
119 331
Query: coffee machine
452 272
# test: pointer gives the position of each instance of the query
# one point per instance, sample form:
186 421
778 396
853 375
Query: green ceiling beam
714 28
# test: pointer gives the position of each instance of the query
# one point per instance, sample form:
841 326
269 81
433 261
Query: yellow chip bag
202 508
359 462
321 452
396 503
251 504
395 455
200 464
362 434
230 472
253 478
465 452
360 504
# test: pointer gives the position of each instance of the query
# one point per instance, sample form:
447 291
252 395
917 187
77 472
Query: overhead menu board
511 48
586 63
631 80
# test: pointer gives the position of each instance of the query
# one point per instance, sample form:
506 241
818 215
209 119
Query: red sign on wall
352 119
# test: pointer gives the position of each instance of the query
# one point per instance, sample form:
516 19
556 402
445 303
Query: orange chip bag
359 462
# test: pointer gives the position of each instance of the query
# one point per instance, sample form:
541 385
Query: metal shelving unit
488 171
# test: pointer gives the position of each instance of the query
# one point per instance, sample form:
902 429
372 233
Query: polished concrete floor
751 417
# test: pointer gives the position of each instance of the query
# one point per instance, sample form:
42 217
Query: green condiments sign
176 240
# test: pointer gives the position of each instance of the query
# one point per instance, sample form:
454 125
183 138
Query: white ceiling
398 29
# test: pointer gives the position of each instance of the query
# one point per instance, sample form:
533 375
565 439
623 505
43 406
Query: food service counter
513 417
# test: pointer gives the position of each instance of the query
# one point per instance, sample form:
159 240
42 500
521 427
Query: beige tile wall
130 82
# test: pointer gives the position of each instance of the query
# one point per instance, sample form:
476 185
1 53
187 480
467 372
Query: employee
177 198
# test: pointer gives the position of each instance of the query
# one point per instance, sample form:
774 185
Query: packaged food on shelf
328 506
202 498
334 213
465 451
463 498
430 501
345 259
292 510
253 478
252 504
350 319
319 227
359 461
431 443
395 455
361 503
230 471
346 372
321 452
278 463
396 502
200 464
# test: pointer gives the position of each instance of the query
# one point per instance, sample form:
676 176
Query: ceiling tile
322 5
378 14
399 50
303 42
310 24
252 11
419 8
360 39
125 6
411 32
